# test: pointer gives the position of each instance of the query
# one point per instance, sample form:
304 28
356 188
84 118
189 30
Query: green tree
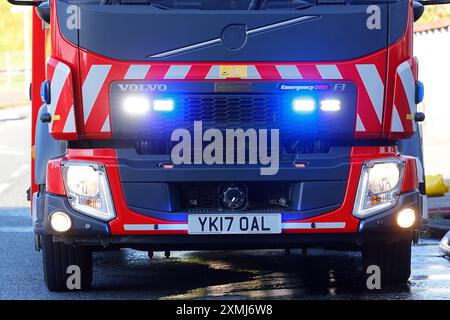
11 28
433 13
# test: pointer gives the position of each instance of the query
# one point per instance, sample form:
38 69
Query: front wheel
393 259
61 261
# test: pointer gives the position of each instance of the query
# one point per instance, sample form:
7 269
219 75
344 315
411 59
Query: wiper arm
257 4
287 4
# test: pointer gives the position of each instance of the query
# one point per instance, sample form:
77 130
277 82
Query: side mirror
418 10
433 2
43 11
34 3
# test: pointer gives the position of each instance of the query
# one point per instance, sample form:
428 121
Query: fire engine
112 80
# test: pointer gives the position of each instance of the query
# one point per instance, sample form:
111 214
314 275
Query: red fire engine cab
113 81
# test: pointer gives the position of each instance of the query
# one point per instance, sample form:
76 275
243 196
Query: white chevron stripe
137 72
289 72
60 75
69 126
213 73
92 86
374 86
106 126
252 73
177 72
409 84
396 125
359 125
329 71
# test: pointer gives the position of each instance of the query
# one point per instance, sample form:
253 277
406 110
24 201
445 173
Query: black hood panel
317 33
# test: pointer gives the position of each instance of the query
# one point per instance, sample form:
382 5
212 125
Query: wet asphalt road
129 274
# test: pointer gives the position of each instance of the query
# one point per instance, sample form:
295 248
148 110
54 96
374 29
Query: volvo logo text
143 87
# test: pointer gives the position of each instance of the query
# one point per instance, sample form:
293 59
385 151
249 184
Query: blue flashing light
163 105
420 91
304 104
45 92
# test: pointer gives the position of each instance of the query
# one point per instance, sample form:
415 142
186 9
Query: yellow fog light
60 221
406 218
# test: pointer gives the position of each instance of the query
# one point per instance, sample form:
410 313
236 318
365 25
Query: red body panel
362 71
376 88
65 52
125 216
410 175
54 183
401 126
379 78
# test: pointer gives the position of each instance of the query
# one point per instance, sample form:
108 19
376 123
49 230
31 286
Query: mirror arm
43 11
433 2
25 3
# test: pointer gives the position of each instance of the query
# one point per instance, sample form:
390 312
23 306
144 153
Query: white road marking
16 229
22 212
3 187
22 169
11 152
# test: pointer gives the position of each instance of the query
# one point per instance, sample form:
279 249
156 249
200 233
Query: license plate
234 223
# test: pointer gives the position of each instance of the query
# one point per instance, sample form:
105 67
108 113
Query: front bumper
90 231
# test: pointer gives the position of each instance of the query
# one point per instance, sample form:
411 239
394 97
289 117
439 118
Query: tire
57 257
393 258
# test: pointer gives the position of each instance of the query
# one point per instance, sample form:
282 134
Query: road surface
129 274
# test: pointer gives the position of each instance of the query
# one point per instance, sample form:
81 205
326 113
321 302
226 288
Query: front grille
264 107
242 110
262 197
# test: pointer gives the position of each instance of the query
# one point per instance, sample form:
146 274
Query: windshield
207 4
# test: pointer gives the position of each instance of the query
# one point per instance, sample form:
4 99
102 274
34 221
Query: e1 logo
73 281
373 22
374 280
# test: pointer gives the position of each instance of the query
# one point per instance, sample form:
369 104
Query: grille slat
237 109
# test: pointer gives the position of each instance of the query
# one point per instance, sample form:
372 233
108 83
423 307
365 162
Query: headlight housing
379 186
88 190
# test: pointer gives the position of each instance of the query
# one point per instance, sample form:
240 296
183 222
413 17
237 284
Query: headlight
379 186
88 190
